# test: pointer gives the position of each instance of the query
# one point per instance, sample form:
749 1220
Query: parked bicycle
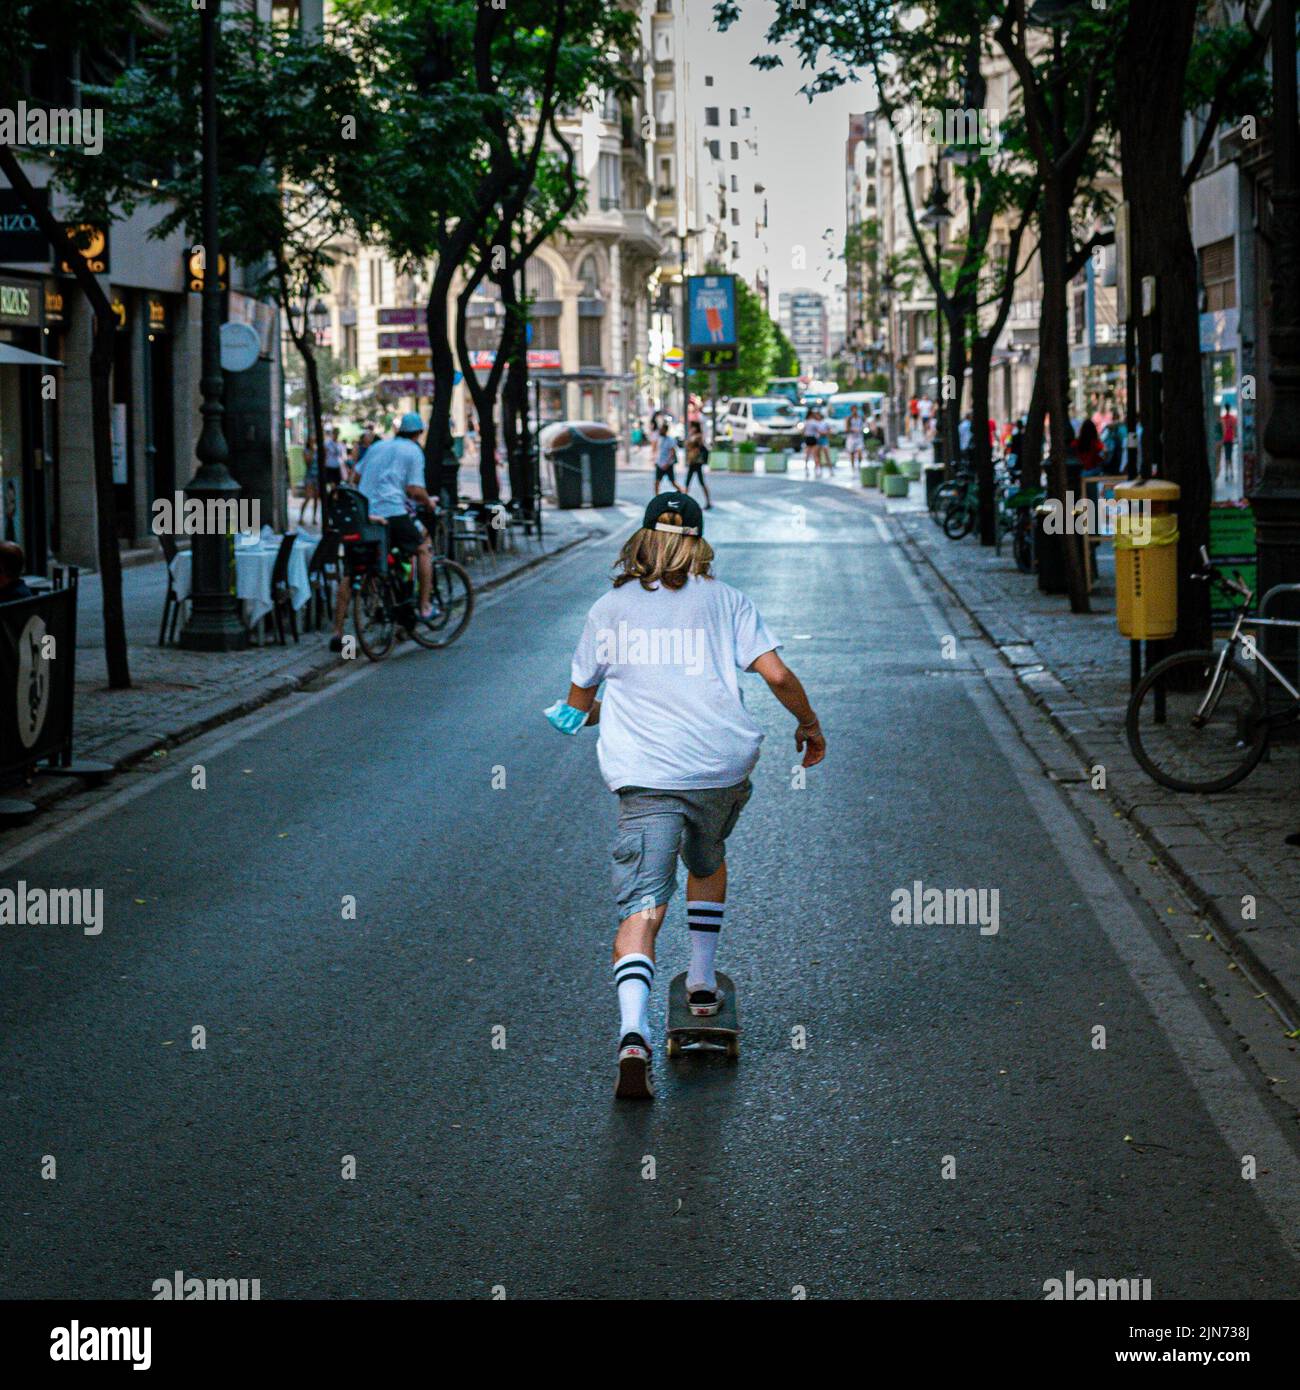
1200 721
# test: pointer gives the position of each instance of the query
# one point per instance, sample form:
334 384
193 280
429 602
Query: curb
1041 687
287 684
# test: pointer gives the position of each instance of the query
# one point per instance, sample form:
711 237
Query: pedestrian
310 481
824 444
665 457
335 454
1089 449
811 439
853 440
677 747
914 412
697 456
965 436
1228 426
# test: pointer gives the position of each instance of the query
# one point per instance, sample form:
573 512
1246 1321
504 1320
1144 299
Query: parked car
869 404
766 420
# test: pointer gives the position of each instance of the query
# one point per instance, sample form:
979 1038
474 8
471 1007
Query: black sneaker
635 1079
704 1003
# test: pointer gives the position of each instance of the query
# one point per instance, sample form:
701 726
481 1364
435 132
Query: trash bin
582 456
933 473
1146 560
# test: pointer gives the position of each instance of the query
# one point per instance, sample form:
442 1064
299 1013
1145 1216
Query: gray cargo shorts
655 826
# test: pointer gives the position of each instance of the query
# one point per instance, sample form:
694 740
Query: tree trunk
1054 359
1031 464
1150 116
101 431
307 352
981 368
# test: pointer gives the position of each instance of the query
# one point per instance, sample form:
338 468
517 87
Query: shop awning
11 356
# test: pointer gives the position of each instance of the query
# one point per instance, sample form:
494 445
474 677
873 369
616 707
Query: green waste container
582 456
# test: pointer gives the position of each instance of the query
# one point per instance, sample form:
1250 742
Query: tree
756 347
30 30
786 361
299 156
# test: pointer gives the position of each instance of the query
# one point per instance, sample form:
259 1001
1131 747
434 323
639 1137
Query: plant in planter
892 482
776 462
742 461
870 474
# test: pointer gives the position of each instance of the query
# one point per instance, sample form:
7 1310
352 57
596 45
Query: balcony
665 130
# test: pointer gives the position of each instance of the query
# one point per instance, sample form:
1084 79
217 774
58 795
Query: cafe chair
172 605
281 594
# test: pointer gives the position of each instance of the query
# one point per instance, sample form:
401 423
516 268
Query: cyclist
391 471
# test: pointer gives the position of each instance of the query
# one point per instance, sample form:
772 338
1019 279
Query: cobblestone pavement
177 694
1225 849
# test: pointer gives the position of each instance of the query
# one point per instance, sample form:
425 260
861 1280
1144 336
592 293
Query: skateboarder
677 745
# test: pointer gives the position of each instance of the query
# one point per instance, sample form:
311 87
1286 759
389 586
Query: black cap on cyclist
674 512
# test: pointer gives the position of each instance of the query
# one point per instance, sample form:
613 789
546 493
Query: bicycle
384 594
1199 721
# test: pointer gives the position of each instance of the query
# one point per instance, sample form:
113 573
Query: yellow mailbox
1146 559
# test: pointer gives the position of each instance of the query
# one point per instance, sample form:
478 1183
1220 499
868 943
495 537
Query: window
1219 276
708 81
715 149
376 280
710 115
546 331
609 107
733 115
735 217
589 278
589 342
610 181
734 186
539 280
735 250
664 109
735 150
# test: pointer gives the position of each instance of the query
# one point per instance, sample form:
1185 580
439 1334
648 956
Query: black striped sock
705 922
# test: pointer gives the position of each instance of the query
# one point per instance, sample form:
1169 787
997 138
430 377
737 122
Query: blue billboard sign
711 322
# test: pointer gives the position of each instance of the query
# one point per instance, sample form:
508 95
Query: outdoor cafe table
253 565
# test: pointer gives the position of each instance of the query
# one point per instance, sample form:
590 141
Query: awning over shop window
11 356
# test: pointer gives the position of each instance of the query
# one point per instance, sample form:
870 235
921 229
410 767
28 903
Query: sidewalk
176 695
1076 668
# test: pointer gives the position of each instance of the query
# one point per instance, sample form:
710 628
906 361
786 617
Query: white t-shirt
672 716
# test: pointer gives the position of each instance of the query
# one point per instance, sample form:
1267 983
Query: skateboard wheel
673 1047
733 1048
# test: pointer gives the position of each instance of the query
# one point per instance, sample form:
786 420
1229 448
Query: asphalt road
949 1129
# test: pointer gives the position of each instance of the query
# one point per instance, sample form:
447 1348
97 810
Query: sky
801 147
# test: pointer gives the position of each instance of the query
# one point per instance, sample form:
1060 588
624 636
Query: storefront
27 483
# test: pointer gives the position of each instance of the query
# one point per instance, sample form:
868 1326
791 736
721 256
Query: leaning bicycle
1200 721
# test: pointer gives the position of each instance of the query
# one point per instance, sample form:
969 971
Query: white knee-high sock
634 975
705 922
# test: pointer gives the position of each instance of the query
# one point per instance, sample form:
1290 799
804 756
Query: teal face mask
565 718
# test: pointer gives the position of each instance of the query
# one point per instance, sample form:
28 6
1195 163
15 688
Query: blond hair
663 557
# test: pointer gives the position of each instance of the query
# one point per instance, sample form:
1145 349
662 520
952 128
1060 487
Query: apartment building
803 316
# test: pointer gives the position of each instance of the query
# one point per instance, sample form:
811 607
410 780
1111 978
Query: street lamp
318 320
214 623
938 214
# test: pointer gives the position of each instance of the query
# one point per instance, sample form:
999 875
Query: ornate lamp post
1276 501
938 214
214 623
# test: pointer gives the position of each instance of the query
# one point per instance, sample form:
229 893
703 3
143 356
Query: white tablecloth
253 566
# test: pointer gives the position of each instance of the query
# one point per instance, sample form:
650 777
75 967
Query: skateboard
685 1030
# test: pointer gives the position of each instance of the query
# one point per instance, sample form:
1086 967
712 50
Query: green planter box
742 463
870 474
911 468
776 462
895 484
720 459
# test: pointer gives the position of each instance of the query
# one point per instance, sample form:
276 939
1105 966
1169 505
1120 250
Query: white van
767 420
870 406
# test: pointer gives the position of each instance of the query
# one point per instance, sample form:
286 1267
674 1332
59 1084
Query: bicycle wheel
944 496
372 618
1213 732
453 594
959 520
